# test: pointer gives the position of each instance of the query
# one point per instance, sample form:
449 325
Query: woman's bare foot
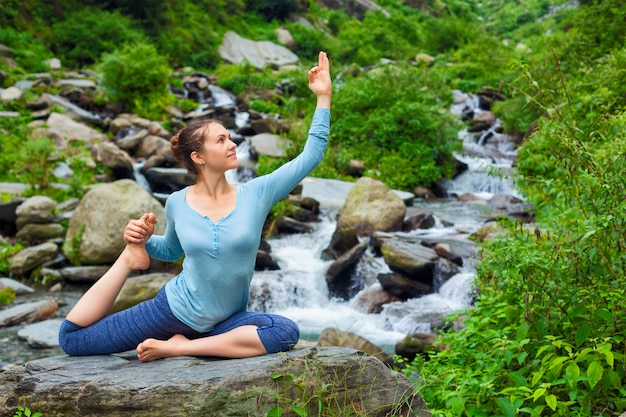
136 257
152 349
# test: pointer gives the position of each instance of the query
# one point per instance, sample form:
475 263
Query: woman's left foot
153 349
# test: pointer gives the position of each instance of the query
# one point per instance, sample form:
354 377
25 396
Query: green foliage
135 76
30 53
87 33
240 78
272 9
7 295
546 336
393 116
36 156
25 412
6 252
367 42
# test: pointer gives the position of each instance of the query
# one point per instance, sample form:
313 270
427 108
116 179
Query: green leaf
538 393
582 333
505 406
300 411
517 379
457 406
605 314
551 401
275 412
522 331
594 373
572 372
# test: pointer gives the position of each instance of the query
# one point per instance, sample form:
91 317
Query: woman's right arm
166 247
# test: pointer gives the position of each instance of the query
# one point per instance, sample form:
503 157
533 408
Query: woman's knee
66 339
281 336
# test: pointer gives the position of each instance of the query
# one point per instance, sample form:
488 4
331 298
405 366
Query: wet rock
236 49
372 206
138 289
402 287
44 334
372 299
410 259
343 239
121 386
334 337
18 287
418 220
417 344
339 277
28 312
95 231
30 258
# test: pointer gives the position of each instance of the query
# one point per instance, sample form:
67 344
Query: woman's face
219 151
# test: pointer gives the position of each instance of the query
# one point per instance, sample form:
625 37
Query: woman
217 227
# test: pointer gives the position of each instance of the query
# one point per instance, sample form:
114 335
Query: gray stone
78 83
83 273
121 386
32 257
138 289
371 206
63 130
37 209
95 232
18 287
408 258
269 144
44 334
28 312
236 50
11 94
332 193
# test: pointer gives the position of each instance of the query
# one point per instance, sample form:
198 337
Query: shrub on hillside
88 33
397 121
136 78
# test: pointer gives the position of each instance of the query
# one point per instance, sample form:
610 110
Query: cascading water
298 290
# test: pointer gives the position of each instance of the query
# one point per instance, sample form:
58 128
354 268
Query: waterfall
298 290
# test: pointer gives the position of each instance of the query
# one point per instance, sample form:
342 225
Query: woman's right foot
136 257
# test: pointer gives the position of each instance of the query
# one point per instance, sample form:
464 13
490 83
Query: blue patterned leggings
124 330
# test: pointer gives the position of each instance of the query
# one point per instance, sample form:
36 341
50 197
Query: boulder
64 130
372 206
95 232
334 337
236 49
32 257
411 259
138 289
121 386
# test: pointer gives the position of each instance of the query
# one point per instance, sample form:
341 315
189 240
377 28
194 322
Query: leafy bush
397 114
546 336
136 77
88 33
30 53
272 9
245 77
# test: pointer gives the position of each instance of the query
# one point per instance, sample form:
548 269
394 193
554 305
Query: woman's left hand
319 77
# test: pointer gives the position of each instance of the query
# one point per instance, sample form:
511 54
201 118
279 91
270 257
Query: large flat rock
339 379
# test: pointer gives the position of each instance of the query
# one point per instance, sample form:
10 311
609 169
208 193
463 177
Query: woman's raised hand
138 231
319 79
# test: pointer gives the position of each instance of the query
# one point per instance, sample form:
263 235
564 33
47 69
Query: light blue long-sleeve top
219 258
